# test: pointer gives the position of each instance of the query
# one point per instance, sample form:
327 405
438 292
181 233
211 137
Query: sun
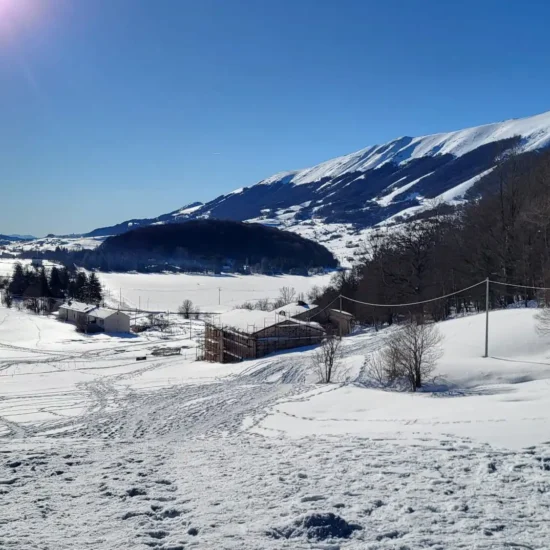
16 15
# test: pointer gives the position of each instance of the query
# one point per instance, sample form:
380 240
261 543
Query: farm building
243 334
94 318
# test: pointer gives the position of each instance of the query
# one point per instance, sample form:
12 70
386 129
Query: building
243 334
93 318
338 321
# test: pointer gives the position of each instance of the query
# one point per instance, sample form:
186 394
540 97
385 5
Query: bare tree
81 324
543 321
287 295
186 309
326 358
314 294
413 352
382 366
410 354
263 304
7 298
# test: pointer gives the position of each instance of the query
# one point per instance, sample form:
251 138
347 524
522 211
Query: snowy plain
216 293
98 450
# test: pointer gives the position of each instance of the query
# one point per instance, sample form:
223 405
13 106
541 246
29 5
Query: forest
38 291
503 233
201 245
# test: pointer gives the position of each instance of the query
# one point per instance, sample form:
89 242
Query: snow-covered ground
51 243
101 451
7 264
166 291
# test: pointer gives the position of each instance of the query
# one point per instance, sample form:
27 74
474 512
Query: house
243 334
94 318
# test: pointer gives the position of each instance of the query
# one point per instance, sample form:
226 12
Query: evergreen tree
95 294
43 285
18 283
81 287
56 283
65 279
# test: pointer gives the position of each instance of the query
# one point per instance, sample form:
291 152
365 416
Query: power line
520 286
415 303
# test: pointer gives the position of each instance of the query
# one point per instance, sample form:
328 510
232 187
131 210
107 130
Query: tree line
30 284
503 234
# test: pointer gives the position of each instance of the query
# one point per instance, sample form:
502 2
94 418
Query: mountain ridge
372 185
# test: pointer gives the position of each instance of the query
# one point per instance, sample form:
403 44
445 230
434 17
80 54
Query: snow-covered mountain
339 199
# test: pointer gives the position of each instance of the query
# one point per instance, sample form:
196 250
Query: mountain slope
372 185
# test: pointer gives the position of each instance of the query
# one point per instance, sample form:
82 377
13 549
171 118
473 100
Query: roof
251 321
79 307
295 308
342 313
102 313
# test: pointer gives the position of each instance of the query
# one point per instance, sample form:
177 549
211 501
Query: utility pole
219 295
486 318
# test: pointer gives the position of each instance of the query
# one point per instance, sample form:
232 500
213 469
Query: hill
209 244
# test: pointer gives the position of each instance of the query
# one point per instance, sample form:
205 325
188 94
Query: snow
164 291
459 191
102 451
51 243
535 131
188 210
7 265
251 321
388 199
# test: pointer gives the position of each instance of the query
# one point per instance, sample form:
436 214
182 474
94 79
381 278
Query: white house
97 319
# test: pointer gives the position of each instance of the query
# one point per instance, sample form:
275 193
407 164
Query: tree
7 299
18 283
287 295
57 286
186 309
43 284
326 358
94 290
412 353
314 294
79 289
543 321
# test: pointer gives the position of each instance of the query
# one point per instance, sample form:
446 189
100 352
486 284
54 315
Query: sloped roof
102 313
251 321
79 307
292 309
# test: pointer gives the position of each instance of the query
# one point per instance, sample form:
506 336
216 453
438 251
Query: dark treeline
201 245
505 235
29 283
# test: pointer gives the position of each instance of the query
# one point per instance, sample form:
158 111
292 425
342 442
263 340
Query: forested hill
505 235
209 243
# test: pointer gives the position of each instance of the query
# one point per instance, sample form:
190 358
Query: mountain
374 184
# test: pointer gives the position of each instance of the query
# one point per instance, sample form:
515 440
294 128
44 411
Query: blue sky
114 109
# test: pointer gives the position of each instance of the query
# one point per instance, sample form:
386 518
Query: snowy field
98 450
166 291
7 264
